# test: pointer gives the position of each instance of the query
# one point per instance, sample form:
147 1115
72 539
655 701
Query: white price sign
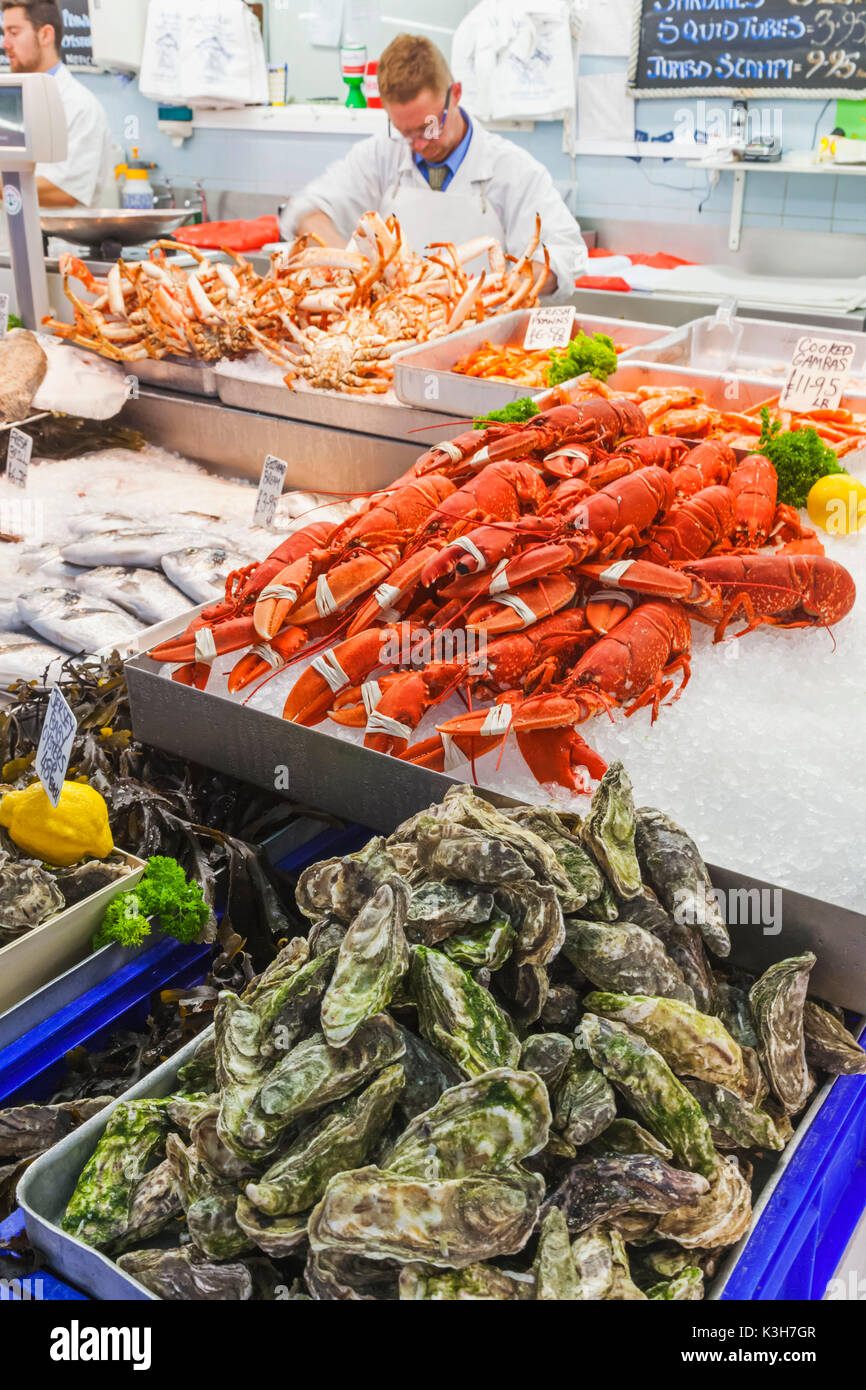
550 327
55 746
18 457
270 491
4 315
817 375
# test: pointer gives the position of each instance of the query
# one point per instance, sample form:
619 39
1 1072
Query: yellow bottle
77 829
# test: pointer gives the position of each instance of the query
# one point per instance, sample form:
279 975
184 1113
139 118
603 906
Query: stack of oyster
500 1066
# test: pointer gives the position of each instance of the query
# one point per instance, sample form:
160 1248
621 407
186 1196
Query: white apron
426 216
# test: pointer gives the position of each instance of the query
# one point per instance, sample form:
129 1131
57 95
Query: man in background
442 175
32 41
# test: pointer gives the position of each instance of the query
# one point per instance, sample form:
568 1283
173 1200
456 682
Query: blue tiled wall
650 190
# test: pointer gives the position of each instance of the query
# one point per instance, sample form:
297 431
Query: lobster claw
476 732
400 583
640 577
338 587
551 746
265 657
202 643
347 664
280 595
511 612
194 674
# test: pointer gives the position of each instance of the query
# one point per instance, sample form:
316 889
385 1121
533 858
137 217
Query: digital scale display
11 118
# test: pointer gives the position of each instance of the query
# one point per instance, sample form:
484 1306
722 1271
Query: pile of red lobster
576 547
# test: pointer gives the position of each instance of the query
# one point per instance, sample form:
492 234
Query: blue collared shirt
52 72
455 158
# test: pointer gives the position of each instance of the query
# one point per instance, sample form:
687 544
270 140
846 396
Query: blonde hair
412 64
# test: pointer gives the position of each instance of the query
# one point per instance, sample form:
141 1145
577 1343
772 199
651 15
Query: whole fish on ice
142 548
76 622
24 658
202 571
146 594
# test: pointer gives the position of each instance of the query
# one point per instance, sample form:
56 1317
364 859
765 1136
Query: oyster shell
487 946
829 1045
277 1236
465 807
241 1069
778 999
692 1043
451 1224
584 1102
523 990
555 1274
439 908
335 1276
326 935
82 880
562 1008
622 957
602 1266
738 1123
476 1283
289 1006
719 1217
673 866
185 1275
373 957
155 1201
28 896
598 1189
733 1008
686 1286
481 1126
684 944
583 873
643 1076
199 1073
625 1136
459 1017
204 1137
428 1073
31 1129
342 886
209 1202
342 1139
454 851
548 1055
609 831
536 913
184 1110
99 1209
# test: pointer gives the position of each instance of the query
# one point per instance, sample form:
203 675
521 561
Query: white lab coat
494 171
86 173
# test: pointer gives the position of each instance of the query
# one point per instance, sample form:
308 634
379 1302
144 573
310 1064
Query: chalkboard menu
805 48
77 50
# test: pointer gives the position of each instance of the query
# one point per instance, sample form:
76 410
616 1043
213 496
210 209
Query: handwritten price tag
18 457
55 746
550 327
817 375
270 491
4 315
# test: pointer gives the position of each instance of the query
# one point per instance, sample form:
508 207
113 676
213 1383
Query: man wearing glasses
441 174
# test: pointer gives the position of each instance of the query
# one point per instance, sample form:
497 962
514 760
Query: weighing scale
33 131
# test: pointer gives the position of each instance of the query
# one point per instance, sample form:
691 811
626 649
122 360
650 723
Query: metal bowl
125 226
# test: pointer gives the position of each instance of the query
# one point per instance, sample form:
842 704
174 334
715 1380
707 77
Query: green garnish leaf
163 891
595 355
512 414
800 458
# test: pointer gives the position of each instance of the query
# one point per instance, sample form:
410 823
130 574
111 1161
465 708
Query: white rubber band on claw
326 604
383 724
371 694
269 655
497 721
279 591
499 582
451 450
386 595
521 608
330 669
568 454
614 573
205 647
464 543
453 756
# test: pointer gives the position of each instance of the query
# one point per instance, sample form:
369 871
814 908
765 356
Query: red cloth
660 261
603 282
595 252
237 236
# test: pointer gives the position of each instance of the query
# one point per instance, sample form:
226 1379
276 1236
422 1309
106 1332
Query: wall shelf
740 168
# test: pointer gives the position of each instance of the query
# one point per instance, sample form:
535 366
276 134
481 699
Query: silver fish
146 594
23 657
201 571
75 622
143 546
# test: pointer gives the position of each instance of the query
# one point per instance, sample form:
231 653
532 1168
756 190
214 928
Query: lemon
76 829
837 503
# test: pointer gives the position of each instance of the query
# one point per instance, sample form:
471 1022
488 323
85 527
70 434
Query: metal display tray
334 409
765 348
42 954
424 374
356 783
185 374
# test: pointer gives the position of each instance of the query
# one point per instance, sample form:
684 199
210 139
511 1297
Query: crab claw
511 612
347 664
266 656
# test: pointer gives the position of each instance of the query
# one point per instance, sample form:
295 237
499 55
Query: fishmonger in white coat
441 174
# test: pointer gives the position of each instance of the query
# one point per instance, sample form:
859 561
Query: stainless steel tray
45 1190
358 784
764 352
338 410
423 374
127 226
184 374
